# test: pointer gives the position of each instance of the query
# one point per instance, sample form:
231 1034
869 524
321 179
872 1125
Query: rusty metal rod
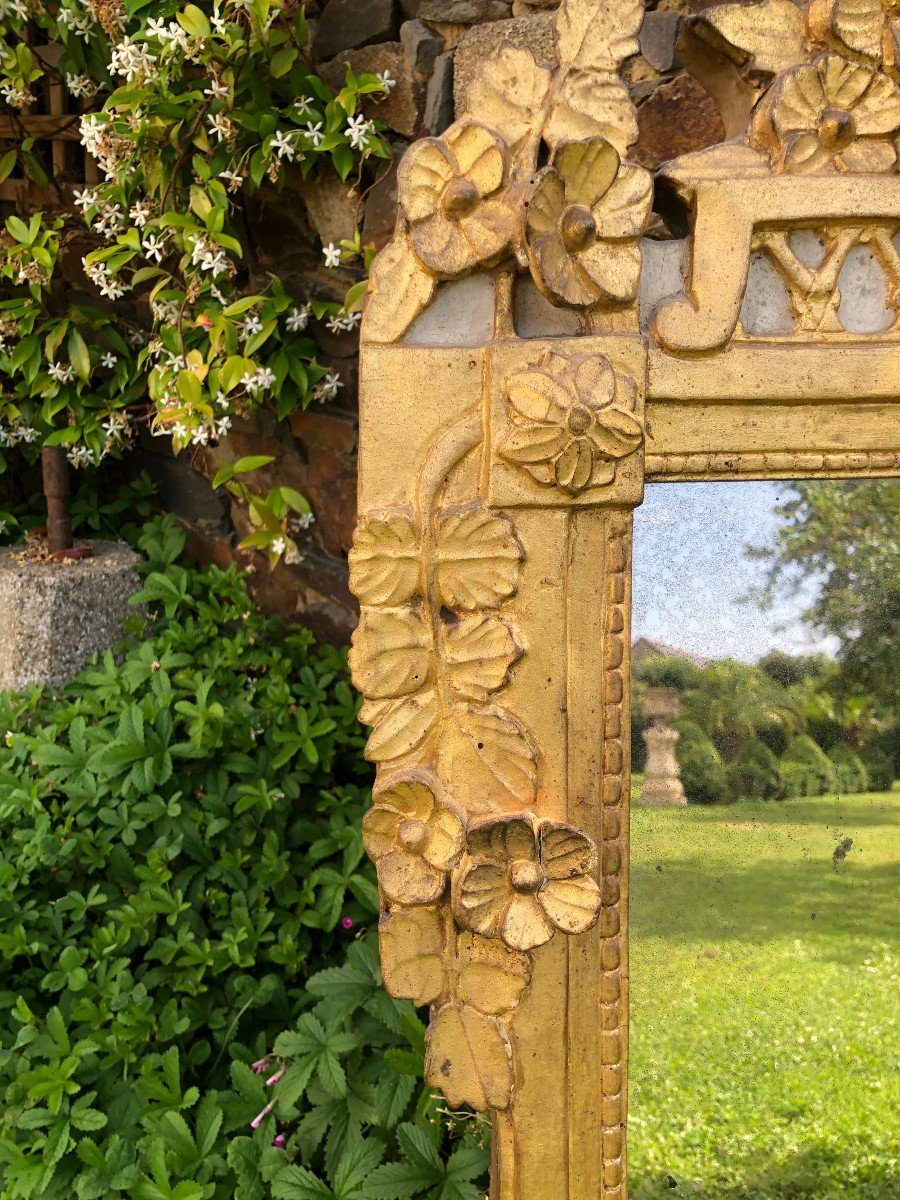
56 489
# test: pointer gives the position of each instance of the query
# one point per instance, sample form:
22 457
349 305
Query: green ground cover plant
189 984
764 1001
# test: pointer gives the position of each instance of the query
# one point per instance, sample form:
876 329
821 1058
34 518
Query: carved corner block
565 423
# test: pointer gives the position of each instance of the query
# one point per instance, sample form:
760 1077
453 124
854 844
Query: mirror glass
765 842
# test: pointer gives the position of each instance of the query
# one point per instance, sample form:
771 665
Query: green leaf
297 1183
79 355
7 162
19 230
194 22
252 462
282 61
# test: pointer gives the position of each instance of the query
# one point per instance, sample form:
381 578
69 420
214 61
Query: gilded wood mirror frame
529 361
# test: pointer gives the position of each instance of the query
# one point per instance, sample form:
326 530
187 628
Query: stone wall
430 48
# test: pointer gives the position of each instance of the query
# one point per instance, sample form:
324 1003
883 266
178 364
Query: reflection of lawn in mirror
765 988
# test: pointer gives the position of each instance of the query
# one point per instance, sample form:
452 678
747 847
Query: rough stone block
55 614
678 118
401 108
659 34
421 45
465 12
381 203
530 33
331 206
439 98
349 24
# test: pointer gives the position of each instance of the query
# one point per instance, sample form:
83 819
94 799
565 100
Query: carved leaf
479 652
508 91
591 106
469 1057
769 37
490 758
391 653
860 24
477 558
401 726
411 945
385 565
490 977
598 33
399 289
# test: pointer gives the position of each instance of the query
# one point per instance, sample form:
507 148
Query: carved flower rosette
462 912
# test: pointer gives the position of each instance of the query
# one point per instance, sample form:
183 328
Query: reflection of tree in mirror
843 536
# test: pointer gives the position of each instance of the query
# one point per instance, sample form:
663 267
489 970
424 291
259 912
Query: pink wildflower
347 923
273 1079
261 1065
280 1141
260 1117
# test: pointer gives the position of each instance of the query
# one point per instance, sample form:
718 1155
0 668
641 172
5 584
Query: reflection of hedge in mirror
852 776
879 768
806 769
703 773
754 774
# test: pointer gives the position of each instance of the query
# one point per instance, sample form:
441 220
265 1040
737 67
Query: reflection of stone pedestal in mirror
662 779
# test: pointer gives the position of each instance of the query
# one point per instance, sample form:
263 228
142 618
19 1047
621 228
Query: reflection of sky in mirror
691 572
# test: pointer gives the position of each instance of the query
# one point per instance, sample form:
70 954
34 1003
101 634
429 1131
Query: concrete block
55 614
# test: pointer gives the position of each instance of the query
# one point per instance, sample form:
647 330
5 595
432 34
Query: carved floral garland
465 897
475 197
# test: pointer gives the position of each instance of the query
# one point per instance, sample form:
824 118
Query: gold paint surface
493 555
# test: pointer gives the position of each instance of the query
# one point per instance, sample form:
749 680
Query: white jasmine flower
175 36
217 90
359 130
85 198
140 213
28 433
266 377
387 81
60 373
200 437
156 28
131 60
250 325
304 106
222 400
80 456
214 261
305 520
81 86
154 248
221 126
109 360
223 426
179 430
233 181
218 22
17 97
279 545
298 319
332 255
329 387
281 143
314 133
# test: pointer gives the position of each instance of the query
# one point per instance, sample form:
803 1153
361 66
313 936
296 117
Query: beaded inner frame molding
529 359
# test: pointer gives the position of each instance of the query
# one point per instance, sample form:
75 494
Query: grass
765 1055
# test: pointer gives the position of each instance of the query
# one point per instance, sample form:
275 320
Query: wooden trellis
505 442
53 120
